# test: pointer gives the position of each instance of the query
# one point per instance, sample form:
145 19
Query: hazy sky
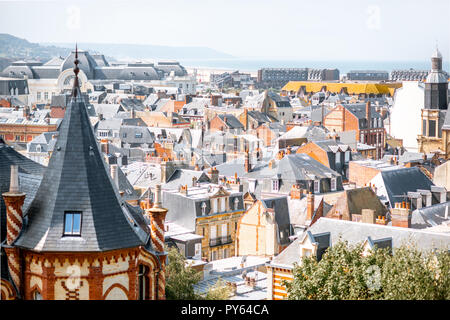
296 29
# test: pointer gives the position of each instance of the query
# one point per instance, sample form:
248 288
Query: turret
13 201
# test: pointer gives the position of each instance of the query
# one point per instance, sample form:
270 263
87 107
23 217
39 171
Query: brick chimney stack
368 216
157 217
309 206
401 215
248 166
296 192
368 117
214 175
115 175
13 202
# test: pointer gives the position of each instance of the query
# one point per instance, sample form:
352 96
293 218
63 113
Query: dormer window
236 203
333 184
203 208
275 185
316 186
72 223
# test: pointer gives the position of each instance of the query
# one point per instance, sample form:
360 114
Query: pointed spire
76 70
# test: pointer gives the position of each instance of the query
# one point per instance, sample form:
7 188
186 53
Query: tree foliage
180 281
344 272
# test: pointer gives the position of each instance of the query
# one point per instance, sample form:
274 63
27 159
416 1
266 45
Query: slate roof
184 210
128 104
358 232
281 209
393 184
359 110
136 135
77 180
261 117
430 216
353 201
446 125
231 121
30 174
183 177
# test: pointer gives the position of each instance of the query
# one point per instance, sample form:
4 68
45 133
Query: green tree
181 278
344 272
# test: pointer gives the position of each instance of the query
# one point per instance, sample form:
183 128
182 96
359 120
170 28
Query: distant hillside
137 51
14 48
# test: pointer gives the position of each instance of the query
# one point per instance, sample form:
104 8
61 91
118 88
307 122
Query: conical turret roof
77 180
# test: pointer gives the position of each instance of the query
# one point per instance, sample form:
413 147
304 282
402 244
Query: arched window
37 295
143 282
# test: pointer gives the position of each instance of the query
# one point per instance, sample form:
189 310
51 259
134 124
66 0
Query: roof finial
76 70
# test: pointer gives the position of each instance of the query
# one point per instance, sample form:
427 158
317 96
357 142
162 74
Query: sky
378 30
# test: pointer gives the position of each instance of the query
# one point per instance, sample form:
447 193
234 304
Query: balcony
219 241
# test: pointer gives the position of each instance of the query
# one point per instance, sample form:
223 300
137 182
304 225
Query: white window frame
333 184
198 250
347 156
338 157
316 186
275 185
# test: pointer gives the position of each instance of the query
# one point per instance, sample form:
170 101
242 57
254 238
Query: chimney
214 175
309 206
115 175
157 218
247 164
184 189
13 202
271 164
196 168
368 216
246 119
296 191
401 215
167 169
368 114
104 146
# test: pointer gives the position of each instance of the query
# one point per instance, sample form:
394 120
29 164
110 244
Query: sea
253 65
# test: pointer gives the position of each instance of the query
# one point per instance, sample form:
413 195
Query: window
38 96
338 158
198 251
45 95
72 223
213 255
124 135
143 282
361 139
213 232
306 252
424 127
224 229
38 148
347 156
225 253
333 184
236 203
316 186
432 128
275 185
37 295
203 208
17 138
138 135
